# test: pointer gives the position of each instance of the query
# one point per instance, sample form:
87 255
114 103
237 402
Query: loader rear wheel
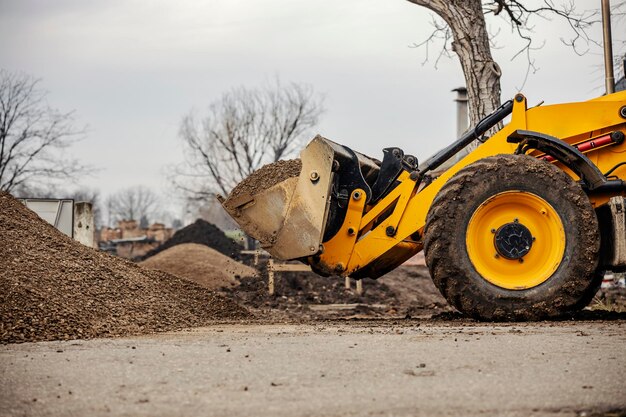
511 237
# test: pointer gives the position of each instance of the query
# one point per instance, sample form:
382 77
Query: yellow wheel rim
544 253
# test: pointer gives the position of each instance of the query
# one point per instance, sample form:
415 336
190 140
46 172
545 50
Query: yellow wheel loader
521 228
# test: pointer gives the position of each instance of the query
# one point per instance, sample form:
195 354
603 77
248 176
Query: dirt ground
386 367
406 291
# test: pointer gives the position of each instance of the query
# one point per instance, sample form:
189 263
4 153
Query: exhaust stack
608 47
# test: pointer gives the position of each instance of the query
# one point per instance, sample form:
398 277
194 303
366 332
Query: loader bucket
289 218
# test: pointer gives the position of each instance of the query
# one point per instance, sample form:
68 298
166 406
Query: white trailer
74 219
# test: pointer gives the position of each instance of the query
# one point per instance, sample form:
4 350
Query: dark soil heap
267 176
52 287
203 233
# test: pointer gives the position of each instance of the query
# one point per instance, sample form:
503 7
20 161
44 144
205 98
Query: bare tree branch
242 131
462 28
441 33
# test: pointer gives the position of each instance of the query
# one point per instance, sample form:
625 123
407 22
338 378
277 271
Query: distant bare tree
33 136
133 203
211 210
144 222
110 215
243 130
177 223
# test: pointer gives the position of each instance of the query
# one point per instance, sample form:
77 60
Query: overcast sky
131 69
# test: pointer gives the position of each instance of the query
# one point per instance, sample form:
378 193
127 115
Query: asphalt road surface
373 369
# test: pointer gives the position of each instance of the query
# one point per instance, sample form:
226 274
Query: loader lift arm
474 134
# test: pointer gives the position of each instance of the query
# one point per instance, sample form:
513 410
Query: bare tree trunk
471 43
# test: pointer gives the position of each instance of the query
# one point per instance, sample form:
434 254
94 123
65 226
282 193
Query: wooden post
359 286
270 276
347 283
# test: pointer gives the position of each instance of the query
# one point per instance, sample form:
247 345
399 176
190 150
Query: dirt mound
405 291
204 233
52 287
199 264
267 176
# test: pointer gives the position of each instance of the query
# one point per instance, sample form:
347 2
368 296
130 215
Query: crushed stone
265 177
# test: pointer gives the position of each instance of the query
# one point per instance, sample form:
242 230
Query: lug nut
390 231
314 176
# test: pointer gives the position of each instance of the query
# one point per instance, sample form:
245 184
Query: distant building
130 241
159 232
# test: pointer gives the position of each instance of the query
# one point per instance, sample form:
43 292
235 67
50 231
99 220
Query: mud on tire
568 289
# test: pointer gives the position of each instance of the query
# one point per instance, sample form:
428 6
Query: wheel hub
513 240
503 230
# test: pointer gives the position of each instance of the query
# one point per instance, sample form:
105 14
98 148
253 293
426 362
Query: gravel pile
200 264
203 233
52 288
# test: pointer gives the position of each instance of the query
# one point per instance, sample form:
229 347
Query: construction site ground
407 291
84 333
375 368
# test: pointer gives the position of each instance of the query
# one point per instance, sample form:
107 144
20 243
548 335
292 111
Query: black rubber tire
570 288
